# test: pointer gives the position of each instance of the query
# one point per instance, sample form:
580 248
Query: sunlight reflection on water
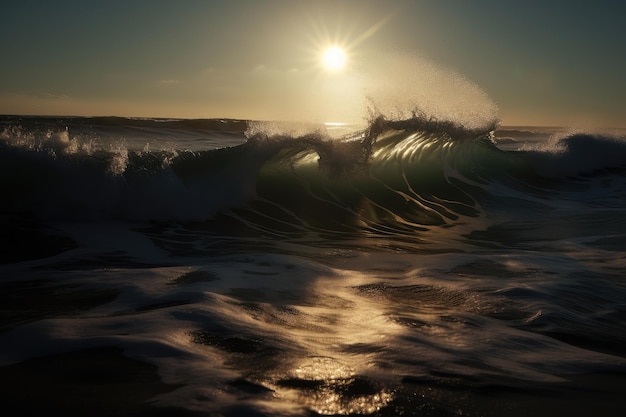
332 379
332 388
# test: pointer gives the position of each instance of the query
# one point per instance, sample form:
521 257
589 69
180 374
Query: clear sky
541 62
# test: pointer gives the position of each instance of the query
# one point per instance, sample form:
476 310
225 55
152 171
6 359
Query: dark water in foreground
168 267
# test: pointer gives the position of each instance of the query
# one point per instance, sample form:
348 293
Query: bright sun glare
334 59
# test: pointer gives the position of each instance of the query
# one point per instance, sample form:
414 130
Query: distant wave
230 125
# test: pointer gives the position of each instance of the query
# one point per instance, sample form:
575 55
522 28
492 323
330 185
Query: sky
533 62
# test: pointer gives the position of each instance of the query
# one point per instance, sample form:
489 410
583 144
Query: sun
334 59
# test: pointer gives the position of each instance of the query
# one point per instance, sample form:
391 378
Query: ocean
222 267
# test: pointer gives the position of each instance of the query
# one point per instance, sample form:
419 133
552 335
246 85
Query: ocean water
237 268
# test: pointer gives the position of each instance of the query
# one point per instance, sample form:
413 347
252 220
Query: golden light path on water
333 373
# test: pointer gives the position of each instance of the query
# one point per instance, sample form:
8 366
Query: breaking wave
397 174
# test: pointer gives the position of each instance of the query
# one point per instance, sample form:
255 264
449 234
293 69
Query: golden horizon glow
334 59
